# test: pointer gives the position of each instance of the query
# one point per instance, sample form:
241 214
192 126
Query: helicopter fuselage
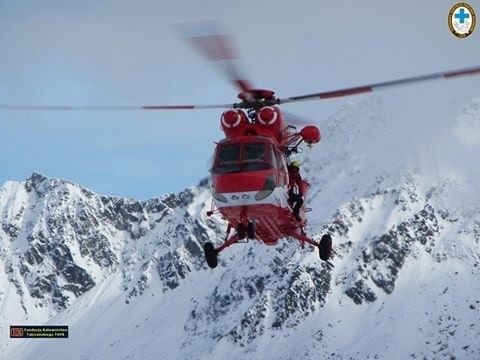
249 177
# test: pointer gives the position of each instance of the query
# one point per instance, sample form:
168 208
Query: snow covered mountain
397 189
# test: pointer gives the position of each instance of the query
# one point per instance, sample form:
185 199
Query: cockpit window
243 157
253 152
228 154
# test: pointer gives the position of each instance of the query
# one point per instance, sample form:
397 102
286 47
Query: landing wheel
211 255
251 230
240 231
325 247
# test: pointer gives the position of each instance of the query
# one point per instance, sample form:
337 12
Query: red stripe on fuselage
241 181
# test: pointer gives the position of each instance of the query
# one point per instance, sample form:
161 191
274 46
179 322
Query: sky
127 53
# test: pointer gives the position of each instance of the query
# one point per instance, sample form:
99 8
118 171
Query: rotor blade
18 107
382 85
215 45
296 120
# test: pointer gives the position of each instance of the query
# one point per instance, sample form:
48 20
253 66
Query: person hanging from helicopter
294 188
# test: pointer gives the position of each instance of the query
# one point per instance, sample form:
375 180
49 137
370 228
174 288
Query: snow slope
394 180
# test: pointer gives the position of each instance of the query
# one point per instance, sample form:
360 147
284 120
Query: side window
280 162
282 166
272 158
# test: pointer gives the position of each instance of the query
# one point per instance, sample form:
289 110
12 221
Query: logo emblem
16 332
461 20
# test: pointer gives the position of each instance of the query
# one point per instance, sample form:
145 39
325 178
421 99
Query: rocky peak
64 240
406 252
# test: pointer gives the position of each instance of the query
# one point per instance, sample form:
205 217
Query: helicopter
250 177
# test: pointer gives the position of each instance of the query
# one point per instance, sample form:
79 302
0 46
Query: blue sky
127 53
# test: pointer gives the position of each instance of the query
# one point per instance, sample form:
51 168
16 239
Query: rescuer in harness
294 188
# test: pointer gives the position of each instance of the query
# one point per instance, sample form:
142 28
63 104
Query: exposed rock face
406 261
59 240
403 211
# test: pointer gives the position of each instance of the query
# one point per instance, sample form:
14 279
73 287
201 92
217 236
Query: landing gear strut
211 253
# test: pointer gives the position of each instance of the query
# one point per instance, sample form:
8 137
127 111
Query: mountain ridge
130 280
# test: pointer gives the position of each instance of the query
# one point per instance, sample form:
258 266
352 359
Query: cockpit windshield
253 152
228 154
240 157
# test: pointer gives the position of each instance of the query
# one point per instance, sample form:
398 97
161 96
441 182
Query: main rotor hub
256 94
256 99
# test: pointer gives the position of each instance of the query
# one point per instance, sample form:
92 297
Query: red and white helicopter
250 181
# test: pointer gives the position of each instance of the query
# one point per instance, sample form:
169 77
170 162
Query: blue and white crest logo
461 20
